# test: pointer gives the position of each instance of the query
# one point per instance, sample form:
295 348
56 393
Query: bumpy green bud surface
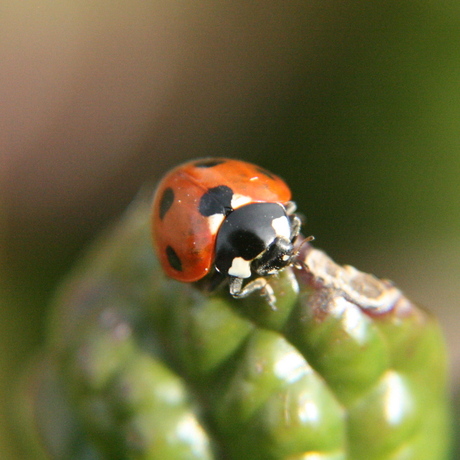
142 367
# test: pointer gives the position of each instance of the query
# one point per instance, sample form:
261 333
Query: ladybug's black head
255 239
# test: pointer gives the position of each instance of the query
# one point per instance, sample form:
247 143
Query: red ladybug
219 219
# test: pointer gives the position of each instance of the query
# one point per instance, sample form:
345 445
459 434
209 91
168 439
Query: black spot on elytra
167 199
173 259
265 173
217 200
208 163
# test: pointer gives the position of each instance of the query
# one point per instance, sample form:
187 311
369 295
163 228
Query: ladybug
219 219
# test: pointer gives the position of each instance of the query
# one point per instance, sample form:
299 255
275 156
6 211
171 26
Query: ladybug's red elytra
218 219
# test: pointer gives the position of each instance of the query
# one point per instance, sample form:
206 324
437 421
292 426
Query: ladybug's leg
259 284
296 223
290 207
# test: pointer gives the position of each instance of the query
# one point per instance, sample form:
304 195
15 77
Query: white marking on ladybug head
214 222
282 227
239 200
240 268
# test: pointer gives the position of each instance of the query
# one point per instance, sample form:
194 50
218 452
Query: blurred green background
356 105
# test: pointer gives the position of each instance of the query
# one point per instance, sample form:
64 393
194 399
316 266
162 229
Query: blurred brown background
356 105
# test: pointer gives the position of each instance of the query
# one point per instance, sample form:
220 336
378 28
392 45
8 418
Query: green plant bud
144 367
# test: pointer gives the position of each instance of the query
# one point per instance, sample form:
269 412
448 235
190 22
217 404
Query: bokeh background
355 104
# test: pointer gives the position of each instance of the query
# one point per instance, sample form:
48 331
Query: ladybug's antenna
305 240
299 263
